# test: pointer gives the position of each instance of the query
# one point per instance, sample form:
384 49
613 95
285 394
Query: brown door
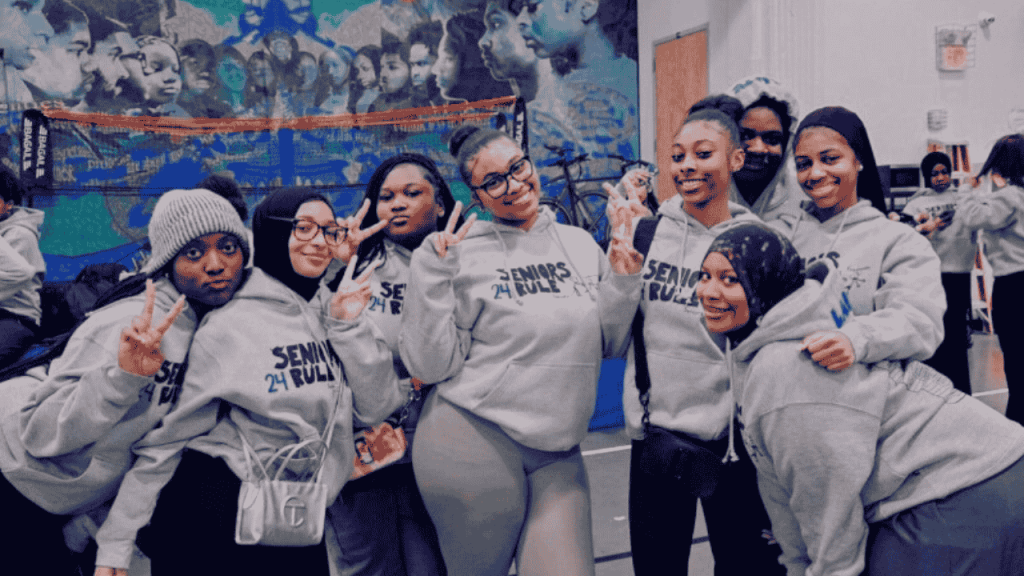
680 80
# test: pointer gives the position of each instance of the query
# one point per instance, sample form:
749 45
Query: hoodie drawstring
730 454
842 224
586 285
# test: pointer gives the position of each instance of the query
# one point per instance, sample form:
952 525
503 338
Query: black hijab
930 161
270 237
850 127
767 264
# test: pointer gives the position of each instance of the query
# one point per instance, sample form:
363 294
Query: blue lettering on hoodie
845 308
541 278
303 364
666 282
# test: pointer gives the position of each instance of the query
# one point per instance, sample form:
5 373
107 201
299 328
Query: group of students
802 337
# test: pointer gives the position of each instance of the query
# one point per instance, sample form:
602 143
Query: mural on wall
147 95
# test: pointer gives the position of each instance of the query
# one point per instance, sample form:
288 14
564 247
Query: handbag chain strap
415 392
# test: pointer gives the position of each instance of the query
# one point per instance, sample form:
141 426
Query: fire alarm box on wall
954 46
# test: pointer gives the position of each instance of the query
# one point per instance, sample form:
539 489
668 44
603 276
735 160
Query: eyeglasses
769 137
496 185
307 230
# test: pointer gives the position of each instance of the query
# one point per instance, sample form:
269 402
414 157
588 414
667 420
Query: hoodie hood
30 219
673 210
820 304
784 184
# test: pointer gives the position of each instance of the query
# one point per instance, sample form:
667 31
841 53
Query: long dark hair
372 53
1007 159
373 246
474 80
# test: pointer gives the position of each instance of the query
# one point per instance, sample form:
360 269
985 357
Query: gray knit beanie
180 216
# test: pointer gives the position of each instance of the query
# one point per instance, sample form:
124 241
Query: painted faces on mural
827 167
106 64
553 27
197 73
394 73
262 72
445 68
336 68
57 72
502 47
420 61
762 135
308 71
232 74
365 72
157 73
281 48
703 160
23 32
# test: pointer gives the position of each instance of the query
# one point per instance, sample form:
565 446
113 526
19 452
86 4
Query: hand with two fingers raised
354 234
139 350
352 295
830 349
630 207
623 257
449 237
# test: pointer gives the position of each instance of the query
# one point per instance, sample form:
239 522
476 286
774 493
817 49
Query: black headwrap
931 160
767 264
848 124
270 237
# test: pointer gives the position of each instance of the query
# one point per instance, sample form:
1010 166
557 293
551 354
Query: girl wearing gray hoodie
688 402
890 271
511 319
882 468
21 270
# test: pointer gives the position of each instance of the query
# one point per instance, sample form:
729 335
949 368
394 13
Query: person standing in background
22 270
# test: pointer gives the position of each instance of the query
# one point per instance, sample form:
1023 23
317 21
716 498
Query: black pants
16 335
951 357
193 529
31 539
1008 321
662 517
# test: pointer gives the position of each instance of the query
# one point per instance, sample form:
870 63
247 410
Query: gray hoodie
953 244
21 263
1001 215
513 324
837 450
689 381
281 364
892 275
66 430
781 198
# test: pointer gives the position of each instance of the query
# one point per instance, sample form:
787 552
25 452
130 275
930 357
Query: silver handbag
274 511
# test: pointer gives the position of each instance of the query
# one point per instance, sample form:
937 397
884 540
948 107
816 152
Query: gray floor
606 455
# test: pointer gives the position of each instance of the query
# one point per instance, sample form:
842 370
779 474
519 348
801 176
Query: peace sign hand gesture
621 210
623 257
352 295
447 237
354 235
139 351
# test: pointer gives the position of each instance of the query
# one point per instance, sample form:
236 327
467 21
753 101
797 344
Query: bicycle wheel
561 214
590 206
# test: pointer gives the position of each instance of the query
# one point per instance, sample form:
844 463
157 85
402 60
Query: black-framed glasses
307 230
496 185
769 137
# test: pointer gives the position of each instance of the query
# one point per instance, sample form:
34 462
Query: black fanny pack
696 464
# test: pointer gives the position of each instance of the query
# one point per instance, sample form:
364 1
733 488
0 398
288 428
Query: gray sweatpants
493 499
978 531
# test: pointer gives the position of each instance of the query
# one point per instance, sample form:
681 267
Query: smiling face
445 69
410 204
157 73
394 73
549 28
209 268
721 295
503 48
703 160
310 258
826 168
519 205
24 30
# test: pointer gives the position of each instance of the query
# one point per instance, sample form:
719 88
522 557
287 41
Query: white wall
876 57
658 20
